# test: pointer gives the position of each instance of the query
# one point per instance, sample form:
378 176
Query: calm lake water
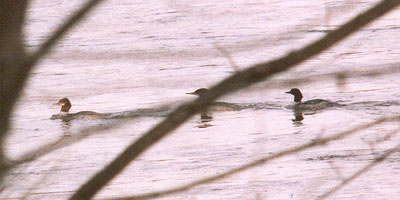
136 54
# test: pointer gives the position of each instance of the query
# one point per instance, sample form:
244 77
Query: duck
64 114
314 104
216 106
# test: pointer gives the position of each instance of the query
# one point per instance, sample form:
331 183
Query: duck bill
288 92
57 104
192 93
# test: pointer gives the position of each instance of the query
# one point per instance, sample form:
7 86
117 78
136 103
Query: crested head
297 94
65 105
200 92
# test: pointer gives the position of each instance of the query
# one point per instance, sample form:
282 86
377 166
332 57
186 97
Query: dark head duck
66 116
297 94
216 106
315 104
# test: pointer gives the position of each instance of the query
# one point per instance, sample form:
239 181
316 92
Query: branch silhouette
12 56
339 76
15 63
257 73
135 114
361 171
318 142
123 118
60 33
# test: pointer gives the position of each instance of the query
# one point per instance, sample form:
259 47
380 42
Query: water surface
132 54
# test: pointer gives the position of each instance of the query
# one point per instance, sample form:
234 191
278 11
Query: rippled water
132 54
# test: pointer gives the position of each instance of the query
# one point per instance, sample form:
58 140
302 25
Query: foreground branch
12 55
317 142
237 81
361 171
123 118
15 63
61 32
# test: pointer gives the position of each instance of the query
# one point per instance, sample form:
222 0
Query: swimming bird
216 106
66 116
314 104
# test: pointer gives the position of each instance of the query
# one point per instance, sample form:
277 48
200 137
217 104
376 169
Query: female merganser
315 104
66 116
216 106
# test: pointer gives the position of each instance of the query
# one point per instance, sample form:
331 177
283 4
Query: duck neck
297 99
65 108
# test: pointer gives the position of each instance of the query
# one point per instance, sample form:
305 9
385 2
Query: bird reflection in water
205 115
298 117
65 127
205 119
309 107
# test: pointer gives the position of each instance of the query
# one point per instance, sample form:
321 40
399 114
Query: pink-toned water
135 54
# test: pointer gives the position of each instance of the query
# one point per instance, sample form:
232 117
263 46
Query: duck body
314 104
85 115
216 106
66 116
224 106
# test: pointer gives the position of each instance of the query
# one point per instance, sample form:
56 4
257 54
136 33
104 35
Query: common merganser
66 116
314 104
216 106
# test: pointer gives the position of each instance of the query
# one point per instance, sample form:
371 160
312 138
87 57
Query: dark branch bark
12 55
360 172
238 81
263 160
15 64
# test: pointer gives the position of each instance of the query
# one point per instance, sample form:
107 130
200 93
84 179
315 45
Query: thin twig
318 142
339 76
228 57
336 170
62 142
360 172
117 119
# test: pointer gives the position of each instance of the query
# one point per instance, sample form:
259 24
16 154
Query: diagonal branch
61 32
12 15
233 83
123 118
15 64
361 171
317 142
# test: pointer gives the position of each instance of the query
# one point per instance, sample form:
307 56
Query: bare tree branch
235 82
12 55
228 57
61 32
317 142
361 171
339 76
133 115
63 142
117 119
15 64
91 130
